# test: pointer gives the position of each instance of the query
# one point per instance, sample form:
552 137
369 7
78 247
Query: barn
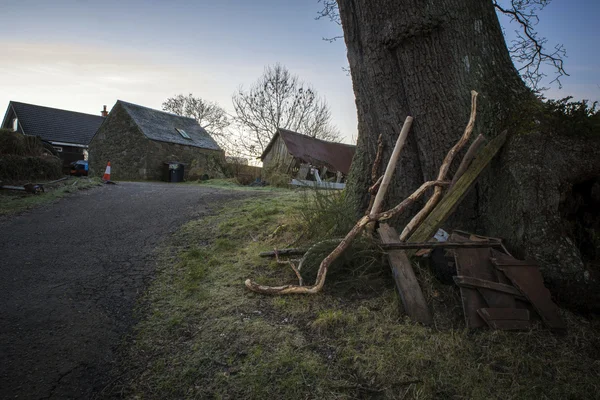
138 141
295 154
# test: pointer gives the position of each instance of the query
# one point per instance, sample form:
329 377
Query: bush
24 168
18 144
275 177
572 117
26 158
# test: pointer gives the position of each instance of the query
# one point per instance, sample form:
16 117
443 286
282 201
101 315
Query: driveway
70 274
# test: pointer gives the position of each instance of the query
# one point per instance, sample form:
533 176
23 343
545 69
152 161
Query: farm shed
68 132
293 153
138 141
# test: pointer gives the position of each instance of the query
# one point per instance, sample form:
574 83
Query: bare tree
209 115
279 99
529 51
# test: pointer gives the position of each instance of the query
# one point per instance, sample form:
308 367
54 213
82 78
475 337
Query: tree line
277 99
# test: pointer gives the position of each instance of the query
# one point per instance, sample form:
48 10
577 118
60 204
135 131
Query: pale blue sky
79 55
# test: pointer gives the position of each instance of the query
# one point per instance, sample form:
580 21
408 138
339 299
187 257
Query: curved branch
341 247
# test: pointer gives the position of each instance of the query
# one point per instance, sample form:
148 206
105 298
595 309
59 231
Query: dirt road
70 274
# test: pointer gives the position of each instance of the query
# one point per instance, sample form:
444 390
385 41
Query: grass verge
233 184
201 334
13 202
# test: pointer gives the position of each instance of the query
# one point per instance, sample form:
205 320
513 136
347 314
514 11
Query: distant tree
209 115
279 99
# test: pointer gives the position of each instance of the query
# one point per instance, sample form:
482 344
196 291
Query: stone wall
198 162
135 157
119 141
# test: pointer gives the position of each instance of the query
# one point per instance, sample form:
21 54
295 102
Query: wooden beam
448 204
406 281
476 283
436 245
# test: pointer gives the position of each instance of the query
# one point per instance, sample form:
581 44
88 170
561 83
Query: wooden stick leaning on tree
468 158
342 246
389 170
438 191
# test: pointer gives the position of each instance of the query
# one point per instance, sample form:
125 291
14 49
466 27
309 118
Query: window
15 126
58 149
183 133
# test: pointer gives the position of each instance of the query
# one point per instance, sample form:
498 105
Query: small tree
279 99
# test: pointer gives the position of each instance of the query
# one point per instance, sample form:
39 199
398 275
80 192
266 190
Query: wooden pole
389 171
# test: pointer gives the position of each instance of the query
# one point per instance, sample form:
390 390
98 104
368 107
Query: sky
80 55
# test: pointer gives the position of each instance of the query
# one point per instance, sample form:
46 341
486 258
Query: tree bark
422 59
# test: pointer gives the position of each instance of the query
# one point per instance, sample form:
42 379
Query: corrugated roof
162 126
55 125
335 156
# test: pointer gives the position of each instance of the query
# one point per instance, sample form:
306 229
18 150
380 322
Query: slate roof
335 156
162 126
55 125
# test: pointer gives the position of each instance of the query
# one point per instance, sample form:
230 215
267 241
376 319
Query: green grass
203 335
13 202
233 184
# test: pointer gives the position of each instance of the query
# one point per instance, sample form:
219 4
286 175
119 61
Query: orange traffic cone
106 176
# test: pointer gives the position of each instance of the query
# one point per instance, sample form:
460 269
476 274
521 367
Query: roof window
183 133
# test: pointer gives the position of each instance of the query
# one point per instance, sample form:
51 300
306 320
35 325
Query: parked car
79 168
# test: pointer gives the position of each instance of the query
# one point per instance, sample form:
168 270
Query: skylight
183 133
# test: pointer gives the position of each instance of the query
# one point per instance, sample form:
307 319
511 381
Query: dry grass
203 335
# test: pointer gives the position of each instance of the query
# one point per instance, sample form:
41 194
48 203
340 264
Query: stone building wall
119 141
198 161
135 157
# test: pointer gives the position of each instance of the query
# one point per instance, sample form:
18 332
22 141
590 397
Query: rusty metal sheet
526 276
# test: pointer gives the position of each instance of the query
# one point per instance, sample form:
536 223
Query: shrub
20 168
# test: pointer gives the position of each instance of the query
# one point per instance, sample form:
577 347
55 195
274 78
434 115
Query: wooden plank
435 245
466 281
509 324
406 281
497 299
520 314
529 280
467 262
507 319
452 199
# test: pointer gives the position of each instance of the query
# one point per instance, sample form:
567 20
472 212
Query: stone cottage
139 140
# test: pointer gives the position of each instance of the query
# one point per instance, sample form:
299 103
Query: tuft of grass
12 202
203 335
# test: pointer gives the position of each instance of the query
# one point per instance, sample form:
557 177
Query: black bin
173 171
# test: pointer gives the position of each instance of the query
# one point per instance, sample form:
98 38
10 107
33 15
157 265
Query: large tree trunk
422 59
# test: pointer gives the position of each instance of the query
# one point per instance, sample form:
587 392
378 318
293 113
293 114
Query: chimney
104 113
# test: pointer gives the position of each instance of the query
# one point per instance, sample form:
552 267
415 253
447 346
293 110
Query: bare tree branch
279 99
529 50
